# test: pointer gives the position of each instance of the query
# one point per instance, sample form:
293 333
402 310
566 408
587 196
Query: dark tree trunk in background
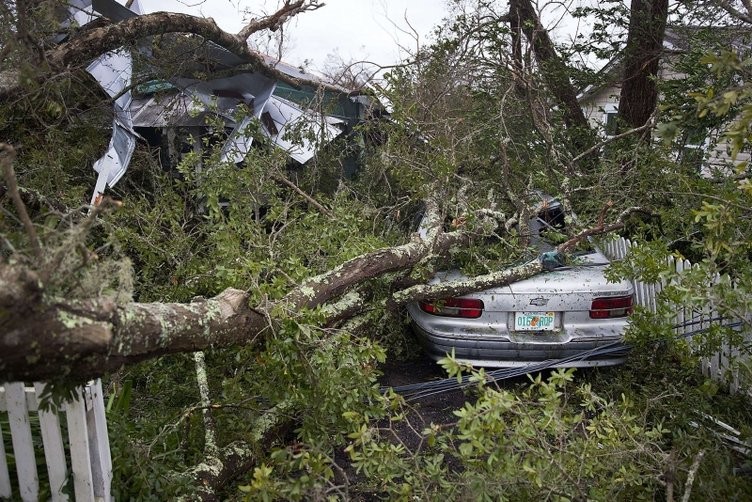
639 93
524 19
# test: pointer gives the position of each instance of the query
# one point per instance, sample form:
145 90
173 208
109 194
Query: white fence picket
99 441
78 438
54 453
23 445
721 366
5 492
680 310
91 465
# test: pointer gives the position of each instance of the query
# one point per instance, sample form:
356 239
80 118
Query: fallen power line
420 390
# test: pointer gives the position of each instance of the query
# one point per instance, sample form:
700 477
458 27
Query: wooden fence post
91 465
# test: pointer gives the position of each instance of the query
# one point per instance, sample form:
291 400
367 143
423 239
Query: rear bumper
500 352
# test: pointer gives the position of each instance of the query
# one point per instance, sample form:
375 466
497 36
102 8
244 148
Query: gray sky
352 29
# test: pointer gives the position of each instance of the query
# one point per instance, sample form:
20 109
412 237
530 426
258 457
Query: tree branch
7 155
272 22
523 18
599 229
89 44
691 476
213 474
83 338
210 433
730 9
647 125
502 278
101 38
283 179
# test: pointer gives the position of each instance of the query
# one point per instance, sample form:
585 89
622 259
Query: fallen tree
47 333
45 336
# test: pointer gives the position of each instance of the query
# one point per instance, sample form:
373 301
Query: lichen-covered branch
213 474
83 338
59 337
332 284
478 283
210 433
507 276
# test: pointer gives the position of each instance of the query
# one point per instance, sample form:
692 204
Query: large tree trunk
639 93
43 338
524 19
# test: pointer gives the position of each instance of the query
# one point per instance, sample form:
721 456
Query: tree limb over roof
126 27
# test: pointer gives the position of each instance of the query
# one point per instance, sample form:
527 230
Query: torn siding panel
113 164
198 99
299 132
182 109
239 143
81 12
113 10
119 153
113 71
252 89
244 85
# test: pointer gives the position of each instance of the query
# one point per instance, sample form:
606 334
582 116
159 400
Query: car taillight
468 308
617 306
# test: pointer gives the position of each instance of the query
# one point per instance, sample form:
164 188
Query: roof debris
287 116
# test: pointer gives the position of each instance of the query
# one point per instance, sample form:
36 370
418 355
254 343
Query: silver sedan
554 315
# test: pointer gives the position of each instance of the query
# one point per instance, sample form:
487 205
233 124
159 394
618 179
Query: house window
610 118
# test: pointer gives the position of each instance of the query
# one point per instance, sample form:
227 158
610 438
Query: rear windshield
548 229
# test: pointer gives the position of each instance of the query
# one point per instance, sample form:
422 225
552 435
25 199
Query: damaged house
207 84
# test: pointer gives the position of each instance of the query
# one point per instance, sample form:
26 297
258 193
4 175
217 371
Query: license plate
534 321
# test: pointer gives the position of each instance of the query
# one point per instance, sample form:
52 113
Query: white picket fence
88 447
723 366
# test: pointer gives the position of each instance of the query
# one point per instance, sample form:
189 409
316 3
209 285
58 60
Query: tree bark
55 337
80 339
98 38
212 475
92 43
50 338
639 93
523 18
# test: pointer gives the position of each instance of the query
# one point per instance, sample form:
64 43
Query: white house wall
597 104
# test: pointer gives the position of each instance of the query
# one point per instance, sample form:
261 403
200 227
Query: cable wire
420 390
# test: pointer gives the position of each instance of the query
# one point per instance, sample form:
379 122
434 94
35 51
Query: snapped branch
273 21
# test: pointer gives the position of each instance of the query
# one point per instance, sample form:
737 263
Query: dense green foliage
462 131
